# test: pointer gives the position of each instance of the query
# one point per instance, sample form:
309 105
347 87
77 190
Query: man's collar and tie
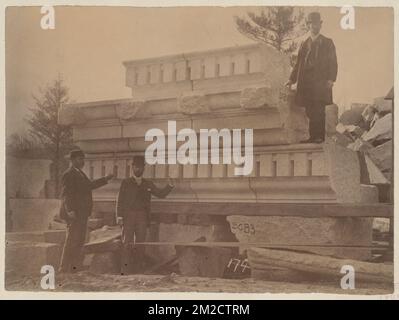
80 172
314 37
138 180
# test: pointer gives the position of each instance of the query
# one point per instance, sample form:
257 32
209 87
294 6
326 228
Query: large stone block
33 214
26 178
174 232
55 236
343 168
105 263
34 236
203 262
307 231
27 258
328 267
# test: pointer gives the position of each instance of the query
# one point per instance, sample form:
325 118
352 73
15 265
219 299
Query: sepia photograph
207 149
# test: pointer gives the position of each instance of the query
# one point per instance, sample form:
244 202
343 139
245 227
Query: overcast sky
89 44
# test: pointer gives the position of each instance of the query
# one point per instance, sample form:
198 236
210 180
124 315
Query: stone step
49 236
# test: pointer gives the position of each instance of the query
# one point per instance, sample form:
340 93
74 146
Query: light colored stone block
97 168
308 231
196 68
141 75
109 166
225 66
149 171
33 236
203 262
121 165
155 73
193 104
329 267
230 170
181 70
26 178
239 63
260 97
160 170
105 263
168 72
33 214
27 258
283 164
254 62
210 67
344 172
55 236
300 164
368 194
174 171
265 165
318 164
204 171
219 170
189 171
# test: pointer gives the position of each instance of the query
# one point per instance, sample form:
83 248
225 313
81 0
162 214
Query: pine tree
278 27
56 139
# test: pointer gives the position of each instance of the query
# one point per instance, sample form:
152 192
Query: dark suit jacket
325 68
130 191
76 193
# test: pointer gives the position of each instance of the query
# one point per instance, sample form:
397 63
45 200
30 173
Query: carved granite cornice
193 103
127 110
70 115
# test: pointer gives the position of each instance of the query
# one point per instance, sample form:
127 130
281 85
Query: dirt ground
89 282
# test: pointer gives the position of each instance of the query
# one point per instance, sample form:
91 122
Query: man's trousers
72 254
316 112
134 230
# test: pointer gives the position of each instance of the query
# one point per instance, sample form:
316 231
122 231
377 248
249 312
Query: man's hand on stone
119 221
171 183
288 84
71 215
330 84
109 176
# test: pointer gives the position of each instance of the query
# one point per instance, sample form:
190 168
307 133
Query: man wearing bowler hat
133 210
76 206
314 73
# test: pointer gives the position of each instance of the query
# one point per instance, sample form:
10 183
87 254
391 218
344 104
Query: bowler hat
76 154
138 161
313 17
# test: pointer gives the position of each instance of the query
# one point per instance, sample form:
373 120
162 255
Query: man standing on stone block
76 206
314 73
133 213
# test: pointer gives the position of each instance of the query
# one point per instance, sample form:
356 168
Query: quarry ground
89 282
